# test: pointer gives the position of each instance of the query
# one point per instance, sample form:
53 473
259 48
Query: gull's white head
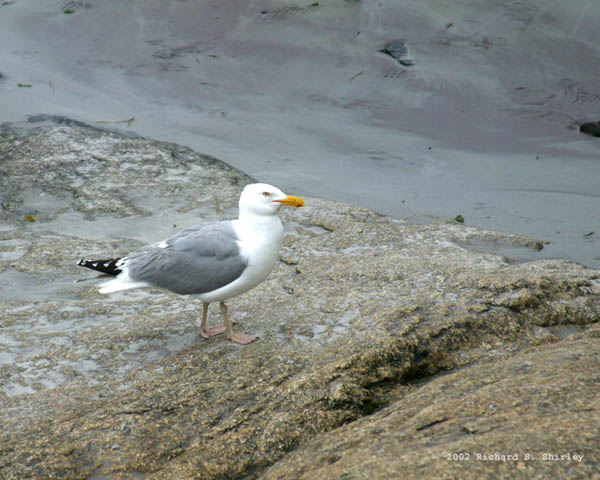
265 199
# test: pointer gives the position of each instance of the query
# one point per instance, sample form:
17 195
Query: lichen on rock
385 347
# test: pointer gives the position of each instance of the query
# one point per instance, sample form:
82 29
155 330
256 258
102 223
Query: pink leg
209 332
234 337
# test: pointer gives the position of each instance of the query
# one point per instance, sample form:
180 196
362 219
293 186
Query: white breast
259 244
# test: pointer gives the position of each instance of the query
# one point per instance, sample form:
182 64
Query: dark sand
484 124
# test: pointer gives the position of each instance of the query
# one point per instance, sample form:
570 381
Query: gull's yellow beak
291 201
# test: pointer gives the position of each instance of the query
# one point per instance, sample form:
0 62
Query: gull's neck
258 224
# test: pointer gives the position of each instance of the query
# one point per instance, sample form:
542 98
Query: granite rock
384 346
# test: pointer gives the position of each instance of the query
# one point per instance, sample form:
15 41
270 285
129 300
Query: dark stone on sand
398 51
385 348
591 128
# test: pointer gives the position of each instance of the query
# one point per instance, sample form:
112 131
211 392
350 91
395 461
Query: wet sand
483 124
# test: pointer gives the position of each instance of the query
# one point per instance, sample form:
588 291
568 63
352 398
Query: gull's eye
266 194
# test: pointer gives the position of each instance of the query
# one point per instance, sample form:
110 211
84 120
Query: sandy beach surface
480 116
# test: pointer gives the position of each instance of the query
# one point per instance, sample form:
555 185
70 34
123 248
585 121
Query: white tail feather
122 282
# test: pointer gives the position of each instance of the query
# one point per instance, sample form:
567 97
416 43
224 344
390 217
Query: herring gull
215 261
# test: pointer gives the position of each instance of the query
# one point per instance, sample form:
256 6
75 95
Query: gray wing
197 260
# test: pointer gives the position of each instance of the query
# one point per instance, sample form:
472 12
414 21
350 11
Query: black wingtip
108 266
